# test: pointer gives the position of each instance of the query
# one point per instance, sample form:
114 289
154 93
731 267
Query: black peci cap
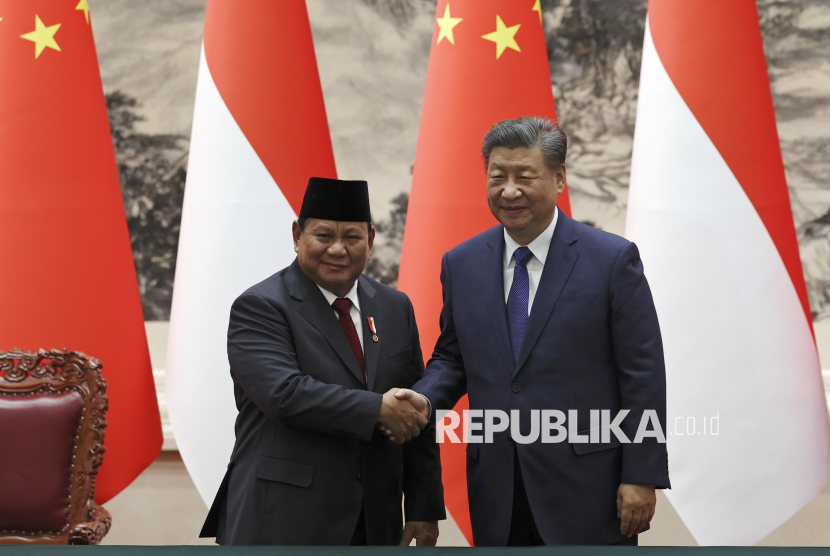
340 200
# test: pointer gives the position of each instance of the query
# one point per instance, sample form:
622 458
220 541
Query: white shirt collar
539 246
330 297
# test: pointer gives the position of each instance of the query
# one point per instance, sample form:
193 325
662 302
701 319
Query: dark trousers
359 535
523 531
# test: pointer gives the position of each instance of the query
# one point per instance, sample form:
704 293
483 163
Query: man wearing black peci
315 353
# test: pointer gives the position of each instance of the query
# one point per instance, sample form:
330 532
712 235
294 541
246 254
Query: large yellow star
447 24
43 36
537 7
503 36
84 5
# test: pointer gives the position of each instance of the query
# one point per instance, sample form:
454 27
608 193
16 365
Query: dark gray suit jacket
307 455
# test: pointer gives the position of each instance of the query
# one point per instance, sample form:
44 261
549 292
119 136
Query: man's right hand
400 418
417 400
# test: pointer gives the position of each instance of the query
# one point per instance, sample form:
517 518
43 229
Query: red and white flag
259 132
479 47
709 209
68 278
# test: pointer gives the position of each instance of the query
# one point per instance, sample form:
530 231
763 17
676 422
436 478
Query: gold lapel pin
372 328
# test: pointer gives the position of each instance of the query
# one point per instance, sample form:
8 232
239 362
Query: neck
526 236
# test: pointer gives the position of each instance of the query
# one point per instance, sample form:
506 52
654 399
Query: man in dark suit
312 350
543 312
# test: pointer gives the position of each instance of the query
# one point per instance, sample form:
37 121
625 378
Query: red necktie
343 305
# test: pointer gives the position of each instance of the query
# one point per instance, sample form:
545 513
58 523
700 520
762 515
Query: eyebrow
523 168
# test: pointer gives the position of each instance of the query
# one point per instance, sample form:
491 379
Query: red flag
69 278
488 63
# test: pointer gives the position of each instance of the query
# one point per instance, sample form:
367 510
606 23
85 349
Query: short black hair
302 222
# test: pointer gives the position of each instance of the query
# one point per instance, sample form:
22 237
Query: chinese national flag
68 277
488 63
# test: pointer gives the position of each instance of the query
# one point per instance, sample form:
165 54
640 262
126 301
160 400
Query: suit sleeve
641 369
264 361
423 489
445 380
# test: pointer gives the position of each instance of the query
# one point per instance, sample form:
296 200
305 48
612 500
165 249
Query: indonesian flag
710 212
488 63
68 278
259 132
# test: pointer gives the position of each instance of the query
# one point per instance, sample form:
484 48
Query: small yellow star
43 36
84 5
537 7
504 37
447 24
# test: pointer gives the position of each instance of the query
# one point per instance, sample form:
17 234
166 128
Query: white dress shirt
354 312
539 247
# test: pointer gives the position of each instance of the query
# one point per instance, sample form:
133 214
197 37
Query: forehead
335 225
504 157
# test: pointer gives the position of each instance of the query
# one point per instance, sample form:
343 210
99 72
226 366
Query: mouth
335 267
513 211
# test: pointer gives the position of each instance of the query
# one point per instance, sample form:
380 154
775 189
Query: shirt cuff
429 405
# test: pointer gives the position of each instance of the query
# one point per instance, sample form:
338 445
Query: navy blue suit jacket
592 342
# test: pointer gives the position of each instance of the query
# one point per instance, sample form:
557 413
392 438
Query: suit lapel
558 266
369 307
320 315
493 262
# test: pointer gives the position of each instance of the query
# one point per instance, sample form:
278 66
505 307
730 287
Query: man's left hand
635 507
425 533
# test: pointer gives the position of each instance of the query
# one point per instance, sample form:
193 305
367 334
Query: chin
515 223
334 277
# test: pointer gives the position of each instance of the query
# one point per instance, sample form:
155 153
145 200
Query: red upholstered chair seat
37 445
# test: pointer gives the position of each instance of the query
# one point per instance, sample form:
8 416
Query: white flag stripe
736 341
236 231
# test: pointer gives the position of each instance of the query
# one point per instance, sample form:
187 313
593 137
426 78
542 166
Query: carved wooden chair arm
93 530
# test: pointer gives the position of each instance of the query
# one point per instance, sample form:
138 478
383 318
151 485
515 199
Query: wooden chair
52 410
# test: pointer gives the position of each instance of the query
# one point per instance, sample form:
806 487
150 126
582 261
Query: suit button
510 439
360 476
516 387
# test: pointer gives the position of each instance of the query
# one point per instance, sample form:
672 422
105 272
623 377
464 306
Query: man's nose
511 190
337 249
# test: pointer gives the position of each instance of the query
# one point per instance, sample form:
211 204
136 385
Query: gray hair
528 132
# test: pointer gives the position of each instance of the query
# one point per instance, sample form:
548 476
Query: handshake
403 414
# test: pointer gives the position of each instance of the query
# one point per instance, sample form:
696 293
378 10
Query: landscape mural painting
372 57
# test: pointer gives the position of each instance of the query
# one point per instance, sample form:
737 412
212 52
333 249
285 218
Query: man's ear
296 232
561 178
371 240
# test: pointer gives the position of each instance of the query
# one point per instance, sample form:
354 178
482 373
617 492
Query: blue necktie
518 299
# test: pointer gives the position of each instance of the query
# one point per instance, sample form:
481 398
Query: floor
163 507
